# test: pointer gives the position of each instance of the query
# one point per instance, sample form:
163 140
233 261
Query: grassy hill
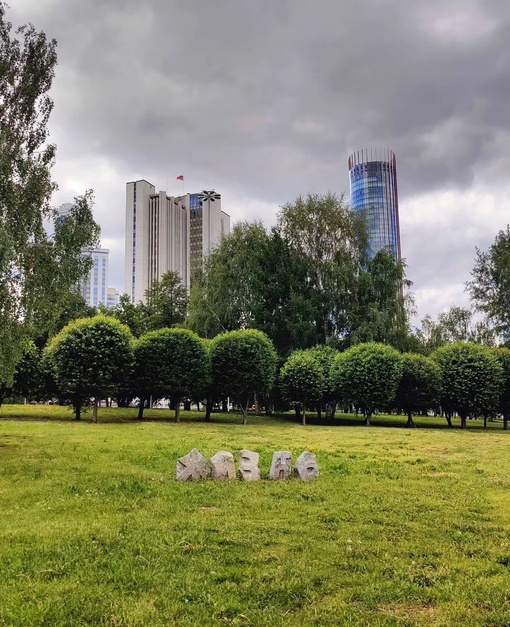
403 527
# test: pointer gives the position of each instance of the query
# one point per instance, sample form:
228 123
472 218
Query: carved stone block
306 467
249 466
280 466
222 466
192 467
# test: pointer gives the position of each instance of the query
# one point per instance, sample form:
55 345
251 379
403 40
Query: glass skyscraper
373 182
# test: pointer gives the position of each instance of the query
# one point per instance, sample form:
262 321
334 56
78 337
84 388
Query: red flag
180 177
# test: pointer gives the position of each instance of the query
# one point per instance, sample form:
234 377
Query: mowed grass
403 527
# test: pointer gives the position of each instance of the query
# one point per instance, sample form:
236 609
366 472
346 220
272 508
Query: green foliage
420 385
28 379
223 294
243 364
454 325
73 308
332 240
307 281
367 375
324 356
471 379
171 363
489 287
36 269
254 280
503 356
133 316
166 302
302 380
91 357
380 312
283 304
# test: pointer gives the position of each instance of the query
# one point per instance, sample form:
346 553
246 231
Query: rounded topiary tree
420 385
471 379
302 380
503 356
367 375
205 392
243 364
170 362
91 357
325 355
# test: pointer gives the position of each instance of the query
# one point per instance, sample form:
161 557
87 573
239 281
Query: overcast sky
263 100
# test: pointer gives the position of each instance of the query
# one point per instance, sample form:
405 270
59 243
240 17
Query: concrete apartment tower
168 233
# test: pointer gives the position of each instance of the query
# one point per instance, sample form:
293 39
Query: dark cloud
264 101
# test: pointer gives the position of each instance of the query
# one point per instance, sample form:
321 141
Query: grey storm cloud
265 101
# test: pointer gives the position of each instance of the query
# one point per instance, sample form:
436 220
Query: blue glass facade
373 182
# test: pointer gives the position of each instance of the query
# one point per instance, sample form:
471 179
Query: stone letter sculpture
192 467
306 467
280 466
222 466
249 466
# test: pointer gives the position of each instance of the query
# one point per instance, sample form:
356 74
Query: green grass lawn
403 527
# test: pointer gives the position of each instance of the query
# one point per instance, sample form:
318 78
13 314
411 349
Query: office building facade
167 233
373 185
94 285
208 224
112 298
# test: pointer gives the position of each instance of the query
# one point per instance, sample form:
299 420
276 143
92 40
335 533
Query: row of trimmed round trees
465 378
93 358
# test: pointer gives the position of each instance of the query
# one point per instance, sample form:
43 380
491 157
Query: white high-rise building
112 298
166 233
208 224
94 285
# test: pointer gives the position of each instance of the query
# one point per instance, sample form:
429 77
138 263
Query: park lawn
403 527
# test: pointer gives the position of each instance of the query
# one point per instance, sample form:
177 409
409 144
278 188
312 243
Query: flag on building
180 177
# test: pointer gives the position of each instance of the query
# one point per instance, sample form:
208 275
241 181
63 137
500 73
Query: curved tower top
373 183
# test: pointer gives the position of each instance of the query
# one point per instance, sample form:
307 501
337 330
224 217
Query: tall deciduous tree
253 279
455 325
223 295
489 287
243 364
333 241
91 357
132 315
37 269
382 304
471 379
367 375
167 302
